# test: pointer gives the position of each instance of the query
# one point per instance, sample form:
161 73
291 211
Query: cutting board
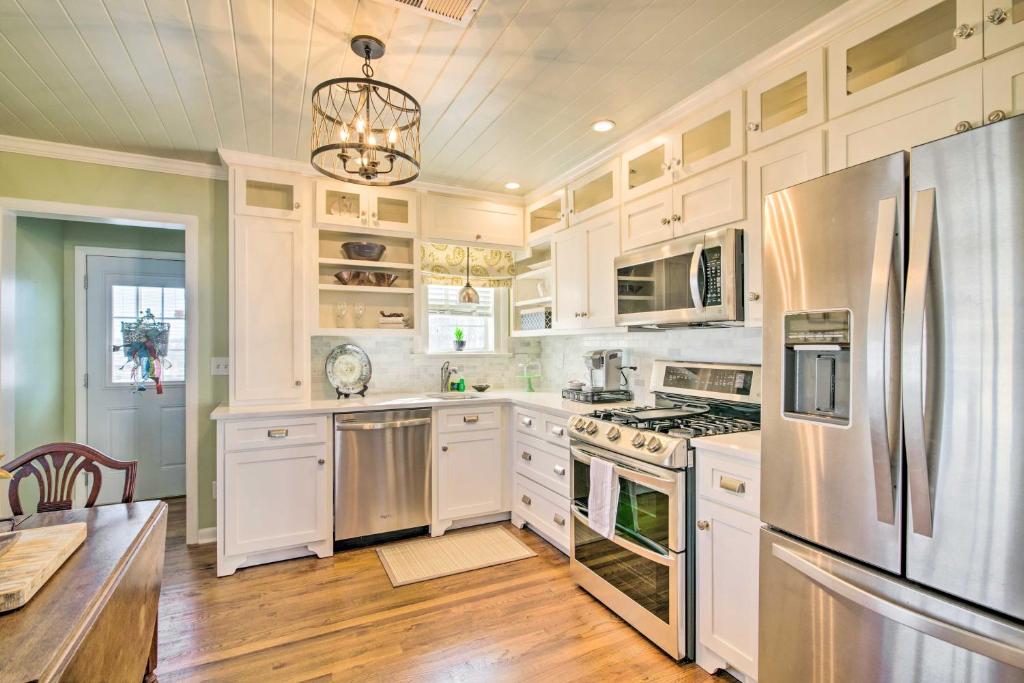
34 558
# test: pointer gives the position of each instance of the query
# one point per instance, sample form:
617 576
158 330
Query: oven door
689 281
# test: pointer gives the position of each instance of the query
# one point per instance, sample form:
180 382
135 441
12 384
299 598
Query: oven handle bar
630 546
632 473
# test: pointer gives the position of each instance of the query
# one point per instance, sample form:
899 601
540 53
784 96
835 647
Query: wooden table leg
151 676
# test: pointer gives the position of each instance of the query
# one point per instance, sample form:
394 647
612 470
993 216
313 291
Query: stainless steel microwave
693 280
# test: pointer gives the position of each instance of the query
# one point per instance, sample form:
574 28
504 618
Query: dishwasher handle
369 426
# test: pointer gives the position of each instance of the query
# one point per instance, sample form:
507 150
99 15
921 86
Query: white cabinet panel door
646 168
602 248
1004 25
709 200
771 169
594 193
786 100
926 113
268 339
1004 84
470 471
647 220
461 219
570 259
709 136
269 194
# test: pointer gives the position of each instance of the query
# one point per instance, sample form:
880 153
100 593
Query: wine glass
360 309
340 313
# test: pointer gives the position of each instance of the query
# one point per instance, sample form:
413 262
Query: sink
453 396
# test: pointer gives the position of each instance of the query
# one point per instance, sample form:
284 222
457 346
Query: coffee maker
605 385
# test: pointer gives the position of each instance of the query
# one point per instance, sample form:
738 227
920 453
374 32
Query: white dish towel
603 502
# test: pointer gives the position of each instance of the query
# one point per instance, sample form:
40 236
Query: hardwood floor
340 619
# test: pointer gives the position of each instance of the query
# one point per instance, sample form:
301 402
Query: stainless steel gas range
645 571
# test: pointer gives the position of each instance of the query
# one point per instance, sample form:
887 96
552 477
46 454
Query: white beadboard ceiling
511 97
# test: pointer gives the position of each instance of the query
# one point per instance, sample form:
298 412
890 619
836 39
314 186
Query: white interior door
121 422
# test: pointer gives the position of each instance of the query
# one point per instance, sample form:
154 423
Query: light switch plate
220 366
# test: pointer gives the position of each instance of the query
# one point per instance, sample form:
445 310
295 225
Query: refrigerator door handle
901 614
698 298
880 395
913 363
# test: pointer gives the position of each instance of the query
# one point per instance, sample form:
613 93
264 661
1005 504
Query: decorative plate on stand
348 370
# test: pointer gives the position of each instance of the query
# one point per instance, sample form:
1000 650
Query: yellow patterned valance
445 264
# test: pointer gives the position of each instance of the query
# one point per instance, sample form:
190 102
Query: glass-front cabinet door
342 204
914 42
267 194
1004 25
646 168
786 100
709 136
545 217
594 193
394 210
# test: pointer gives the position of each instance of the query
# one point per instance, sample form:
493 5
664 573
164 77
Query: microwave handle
695 266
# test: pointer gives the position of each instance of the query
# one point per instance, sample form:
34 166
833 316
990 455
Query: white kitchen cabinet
594 193
1004 25
647 220
545 511
584 260
268 341
928 112
786 100
709 200
460 219
709 136
914 42
541 464
770 169
470 474
269 194
1004 84
646 168
275 490
545 217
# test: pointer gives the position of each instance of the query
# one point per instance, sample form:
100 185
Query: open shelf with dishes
532 300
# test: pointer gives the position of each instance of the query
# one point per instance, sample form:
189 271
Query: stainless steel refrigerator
893 430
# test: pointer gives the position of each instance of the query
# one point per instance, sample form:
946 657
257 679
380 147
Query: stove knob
654 445
580 425
573 420
613 434
591 427
639 440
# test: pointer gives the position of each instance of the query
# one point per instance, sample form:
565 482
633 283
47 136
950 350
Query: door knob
996 16
963 31
703 525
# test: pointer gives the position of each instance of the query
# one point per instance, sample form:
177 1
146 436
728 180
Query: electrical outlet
220 366
214 483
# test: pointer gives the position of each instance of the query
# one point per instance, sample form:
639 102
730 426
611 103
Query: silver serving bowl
353 277
383 279
363 251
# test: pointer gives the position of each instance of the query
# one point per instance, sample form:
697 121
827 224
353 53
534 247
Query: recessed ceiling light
512 185
603 125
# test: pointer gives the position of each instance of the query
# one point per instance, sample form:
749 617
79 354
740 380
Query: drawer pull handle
279 433
559 520
526 456
526 421
558 431
559 470
731 484
470 419
526 500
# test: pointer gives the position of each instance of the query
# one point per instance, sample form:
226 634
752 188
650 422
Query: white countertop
743 444
547 401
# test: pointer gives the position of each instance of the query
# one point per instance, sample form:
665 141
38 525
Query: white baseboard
206 535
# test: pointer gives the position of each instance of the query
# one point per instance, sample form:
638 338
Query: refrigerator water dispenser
816 366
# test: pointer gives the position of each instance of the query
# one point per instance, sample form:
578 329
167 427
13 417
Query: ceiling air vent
458 12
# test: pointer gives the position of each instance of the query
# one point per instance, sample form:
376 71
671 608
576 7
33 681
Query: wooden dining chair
56 466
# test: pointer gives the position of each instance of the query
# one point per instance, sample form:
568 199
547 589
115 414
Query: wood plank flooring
340 619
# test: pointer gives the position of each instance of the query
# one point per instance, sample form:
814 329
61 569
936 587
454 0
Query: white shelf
365 230
366 289
534 302
536 274
356 331
365 265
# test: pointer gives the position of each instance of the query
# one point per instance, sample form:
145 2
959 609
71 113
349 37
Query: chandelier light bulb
360 126
392 136
344 134
372 139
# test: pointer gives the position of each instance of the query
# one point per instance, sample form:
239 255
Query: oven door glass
644 581
643 515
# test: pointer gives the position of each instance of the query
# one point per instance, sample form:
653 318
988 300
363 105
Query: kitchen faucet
446 375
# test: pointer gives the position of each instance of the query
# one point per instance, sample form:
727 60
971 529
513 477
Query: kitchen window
483 325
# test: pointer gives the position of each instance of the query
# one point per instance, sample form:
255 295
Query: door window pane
128 302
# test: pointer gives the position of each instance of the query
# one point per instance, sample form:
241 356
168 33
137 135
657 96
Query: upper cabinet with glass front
786 100
914 42
376 208
1004 25
646 168
268 194
545 217
708 136
594 193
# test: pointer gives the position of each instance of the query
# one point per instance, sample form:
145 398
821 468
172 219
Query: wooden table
96 618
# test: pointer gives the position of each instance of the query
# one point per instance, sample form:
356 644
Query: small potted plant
460 339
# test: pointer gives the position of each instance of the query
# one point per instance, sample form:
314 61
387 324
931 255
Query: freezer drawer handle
930 626
732 484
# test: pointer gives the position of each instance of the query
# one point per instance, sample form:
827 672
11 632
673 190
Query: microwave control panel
713 276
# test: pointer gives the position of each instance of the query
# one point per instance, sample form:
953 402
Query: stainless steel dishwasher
382 472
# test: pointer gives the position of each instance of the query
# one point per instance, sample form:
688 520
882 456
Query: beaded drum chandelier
365 131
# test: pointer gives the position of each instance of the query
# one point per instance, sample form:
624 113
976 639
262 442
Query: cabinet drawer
725 480
555 430
528 422
468 419
545 511
270 432
542 462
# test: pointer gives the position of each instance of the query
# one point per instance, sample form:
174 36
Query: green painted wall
29 177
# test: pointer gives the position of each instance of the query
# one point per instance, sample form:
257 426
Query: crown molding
813 36
107 157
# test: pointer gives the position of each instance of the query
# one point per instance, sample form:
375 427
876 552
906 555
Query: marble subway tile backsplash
397 369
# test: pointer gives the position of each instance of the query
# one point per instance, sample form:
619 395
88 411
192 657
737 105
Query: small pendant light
468 295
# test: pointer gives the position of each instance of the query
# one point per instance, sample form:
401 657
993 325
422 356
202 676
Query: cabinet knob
559 520
527 421
996 115
526 500
320 461
558 431
702 525
559 470
478 237
584 314
444 448
298 382
963 126
676 217
297 205
526 456
753 296
996 16
963 31
665 221
373 215
753 126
